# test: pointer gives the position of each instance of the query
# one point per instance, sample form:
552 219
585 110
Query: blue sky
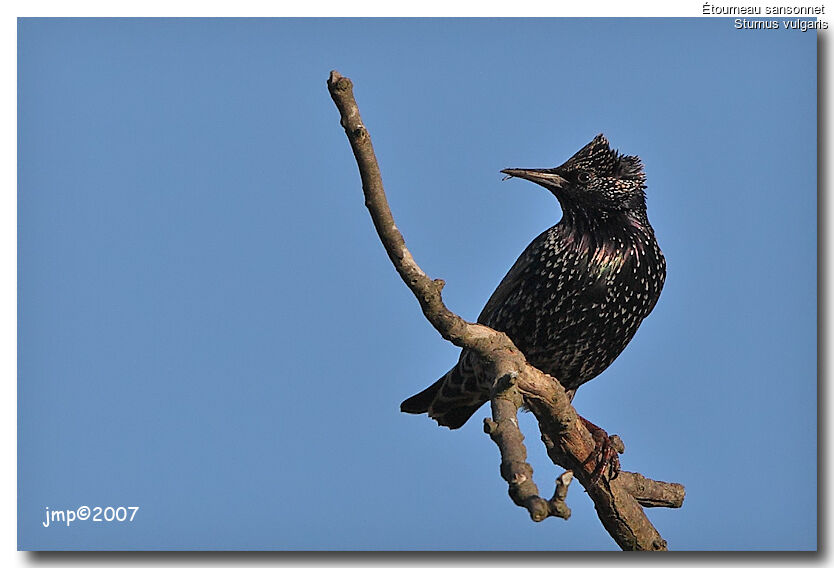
210 330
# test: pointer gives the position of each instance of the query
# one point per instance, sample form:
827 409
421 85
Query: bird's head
596 181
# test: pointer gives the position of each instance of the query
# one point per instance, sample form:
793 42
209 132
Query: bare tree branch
506 399
569 444
651 493
557 505
504 431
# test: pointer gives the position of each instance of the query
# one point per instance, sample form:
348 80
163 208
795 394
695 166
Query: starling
577 294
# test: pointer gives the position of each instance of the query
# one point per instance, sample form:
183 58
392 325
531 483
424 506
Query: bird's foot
605 454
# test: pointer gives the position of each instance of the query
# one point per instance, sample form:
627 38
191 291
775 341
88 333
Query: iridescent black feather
577 294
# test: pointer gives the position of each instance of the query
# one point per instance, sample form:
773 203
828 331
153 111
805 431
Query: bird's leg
605 452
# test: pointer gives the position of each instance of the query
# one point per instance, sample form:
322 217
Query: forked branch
569 444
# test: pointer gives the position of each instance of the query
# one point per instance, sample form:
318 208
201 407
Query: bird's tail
452 400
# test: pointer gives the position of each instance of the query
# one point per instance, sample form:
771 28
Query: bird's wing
511 282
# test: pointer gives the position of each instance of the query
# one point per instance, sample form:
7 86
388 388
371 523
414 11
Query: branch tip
563 481
539 508
337 81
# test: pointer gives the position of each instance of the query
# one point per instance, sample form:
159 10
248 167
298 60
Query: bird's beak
544 178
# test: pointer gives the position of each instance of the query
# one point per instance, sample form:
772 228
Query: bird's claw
605 452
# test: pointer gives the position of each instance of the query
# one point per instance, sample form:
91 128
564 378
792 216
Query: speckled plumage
577 294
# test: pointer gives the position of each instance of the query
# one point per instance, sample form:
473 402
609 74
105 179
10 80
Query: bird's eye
583 177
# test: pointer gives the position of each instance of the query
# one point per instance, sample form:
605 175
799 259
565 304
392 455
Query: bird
577 294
